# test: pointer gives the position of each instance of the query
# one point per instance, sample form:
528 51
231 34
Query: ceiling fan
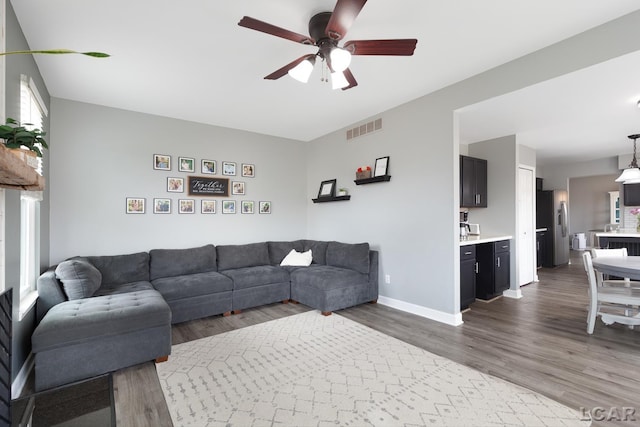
326 29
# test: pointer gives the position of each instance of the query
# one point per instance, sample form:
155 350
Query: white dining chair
612 304
602 281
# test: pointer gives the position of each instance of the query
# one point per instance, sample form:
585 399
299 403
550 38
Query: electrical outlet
387 279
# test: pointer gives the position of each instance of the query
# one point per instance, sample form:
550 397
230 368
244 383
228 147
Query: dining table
628 266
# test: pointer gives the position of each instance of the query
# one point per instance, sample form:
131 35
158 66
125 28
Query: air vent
364 129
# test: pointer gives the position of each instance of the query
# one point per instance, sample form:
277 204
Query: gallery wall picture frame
208 206
237 188
162 162
229 168
161 206
186 164
228 206
186 206
327 189
248 170
208 186
135 205
175 184
382 166
208 166
264 207
247 206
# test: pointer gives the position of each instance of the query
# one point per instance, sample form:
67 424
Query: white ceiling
190 60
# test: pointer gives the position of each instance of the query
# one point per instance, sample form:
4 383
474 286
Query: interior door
526 244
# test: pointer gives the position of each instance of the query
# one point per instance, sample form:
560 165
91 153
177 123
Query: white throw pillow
298 259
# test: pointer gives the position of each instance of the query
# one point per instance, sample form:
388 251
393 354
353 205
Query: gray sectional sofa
98 314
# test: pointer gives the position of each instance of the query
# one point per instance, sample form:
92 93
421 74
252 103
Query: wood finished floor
538 342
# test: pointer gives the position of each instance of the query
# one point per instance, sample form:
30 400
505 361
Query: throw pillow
298 259
79 278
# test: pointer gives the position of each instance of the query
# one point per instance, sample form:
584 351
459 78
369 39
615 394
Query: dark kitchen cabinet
473 182
631 194
541 248
493 275
467 276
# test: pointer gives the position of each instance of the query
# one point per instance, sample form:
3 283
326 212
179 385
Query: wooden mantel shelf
16 174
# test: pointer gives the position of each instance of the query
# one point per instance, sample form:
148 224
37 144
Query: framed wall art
175 185
162 162
229 168
382 166
208 206
186 206
327 189
264 207
208 167
228 206
247 207
208 186
135 205
237 188
162 206
248 170
186 164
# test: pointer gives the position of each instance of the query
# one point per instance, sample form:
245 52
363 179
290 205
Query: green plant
16 135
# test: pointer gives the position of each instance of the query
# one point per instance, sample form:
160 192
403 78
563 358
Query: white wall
100 156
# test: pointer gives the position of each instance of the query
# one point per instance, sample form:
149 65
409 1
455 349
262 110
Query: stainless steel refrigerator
552 213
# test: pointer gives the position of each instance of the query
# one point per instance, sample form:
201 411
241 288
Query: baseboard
510 293
21 379
429 313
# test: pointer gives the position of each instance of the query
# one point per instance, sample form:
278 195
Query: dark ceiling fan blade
282 71
265 27
342 17
399 47
352 80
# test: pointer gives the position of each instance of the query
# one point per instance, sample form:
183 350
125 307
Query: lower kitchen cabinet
541 248
467 276
493 274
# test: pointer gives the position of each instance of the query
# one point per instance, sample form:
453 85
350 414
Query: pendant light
631 175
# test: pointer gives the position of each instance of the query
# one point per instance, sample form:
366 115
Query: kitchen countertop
540 229
622 233
484 238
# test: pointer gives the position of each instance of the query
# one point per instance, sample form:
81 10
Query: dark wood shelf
381 178
331 199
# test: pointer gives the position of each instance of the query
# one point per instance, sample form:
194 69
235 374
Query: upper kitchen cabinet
473 182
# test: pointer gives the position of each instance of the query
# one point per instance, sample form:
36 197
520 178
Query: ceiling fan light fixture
302 71
338 80
631 175
340 59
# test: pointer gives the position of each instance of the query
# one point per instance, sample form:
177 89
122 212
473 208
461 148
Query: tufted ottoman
79 339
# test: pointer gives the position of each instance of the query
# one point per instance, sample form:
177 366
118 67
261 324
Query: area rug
312 370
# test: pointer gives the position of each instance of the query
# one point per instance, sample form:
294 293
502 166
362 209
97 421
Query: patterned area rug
312 370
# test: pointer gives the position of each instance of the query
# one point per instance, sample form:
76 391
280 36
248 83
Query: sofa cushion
240 256
123 288
328 277
353 256
79 278
120 269
279 250
319 250
297 259
191 285
178 262
250 277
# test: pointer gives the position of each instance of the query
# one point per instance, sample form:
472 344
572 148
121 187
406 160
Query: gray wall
589 202
103 155
15 66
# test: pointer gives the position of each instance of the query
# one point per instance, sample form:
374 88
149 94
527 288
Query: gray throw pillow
79 278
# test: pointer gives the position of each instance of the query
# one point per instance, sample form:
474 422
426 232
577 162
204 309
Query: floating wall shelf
381 178
331 199
16 174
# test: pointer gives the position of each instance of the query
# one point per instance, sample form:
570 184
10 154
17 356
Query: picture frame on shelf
208 166
161 206
247 206
175 184
382 166
186 206
228 206
186 164
135 205
208 206
248 170
327 189
264 207
162 162
237 188
229 168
